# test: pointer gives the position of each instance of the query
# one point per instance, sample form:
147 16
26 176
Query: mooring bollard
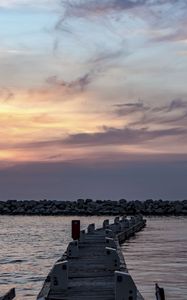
110 243
125 288
91 228
73 249
105 223
112 259
59 276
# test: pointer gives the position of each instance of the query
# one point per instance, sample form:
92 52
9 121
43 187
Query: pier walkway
93 267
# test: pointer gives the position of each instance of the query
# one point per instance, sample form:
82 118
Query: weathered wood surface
11 294
89 276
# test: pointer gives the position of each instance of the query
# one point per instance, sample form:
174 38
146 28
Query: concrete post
116 227
109 233
125 288
105 223
91 228
59 276
133 220
124 224
112 259
116 220
110 243
73 249
123 218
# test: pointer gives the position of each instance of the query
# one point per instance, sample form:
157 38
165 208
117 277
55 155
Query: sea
30 245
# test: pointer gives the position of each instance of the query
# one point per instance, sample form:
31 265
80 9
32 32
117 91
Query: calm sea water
29 246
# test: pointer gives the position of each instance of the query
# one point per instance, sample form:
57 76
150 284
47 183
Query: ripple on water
159 254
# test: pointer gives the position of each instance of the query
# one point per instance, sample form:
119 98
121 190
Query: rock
90 207
178 209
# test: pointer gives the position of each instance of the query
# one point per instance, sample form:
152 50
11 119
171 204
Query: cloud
93 8
6 94
87 8
130 108
174 105
106 136
169 22
79 84
53 89
146 123
96 7
177 33
121 136
11 4
159 14
107 55
175 112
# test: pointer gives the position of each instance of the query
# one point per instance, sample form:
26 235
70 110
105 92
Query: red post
75 229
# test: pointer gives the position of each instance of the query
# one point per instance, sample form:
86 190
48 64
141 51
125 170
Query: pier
93 266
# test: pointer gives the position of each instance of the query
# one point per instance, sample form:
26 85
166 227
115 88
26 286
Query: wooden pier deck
91 267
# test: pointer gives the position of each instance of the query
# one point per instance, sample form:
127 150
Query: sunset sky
93 99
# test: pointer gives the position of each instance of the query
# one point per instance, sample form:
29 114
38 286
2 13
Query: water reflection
159 254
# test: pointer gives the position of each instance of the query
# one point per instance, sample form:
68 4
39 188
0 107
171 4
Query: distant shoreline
89 207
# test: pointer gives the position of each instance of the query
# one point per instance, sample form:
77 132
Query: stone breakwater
89 207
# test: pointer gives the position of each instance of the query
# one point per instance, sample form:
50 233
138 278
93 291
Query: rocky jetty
90 207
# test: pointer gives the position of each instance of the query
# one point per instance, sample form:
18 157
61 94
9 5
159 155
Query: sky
93 99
